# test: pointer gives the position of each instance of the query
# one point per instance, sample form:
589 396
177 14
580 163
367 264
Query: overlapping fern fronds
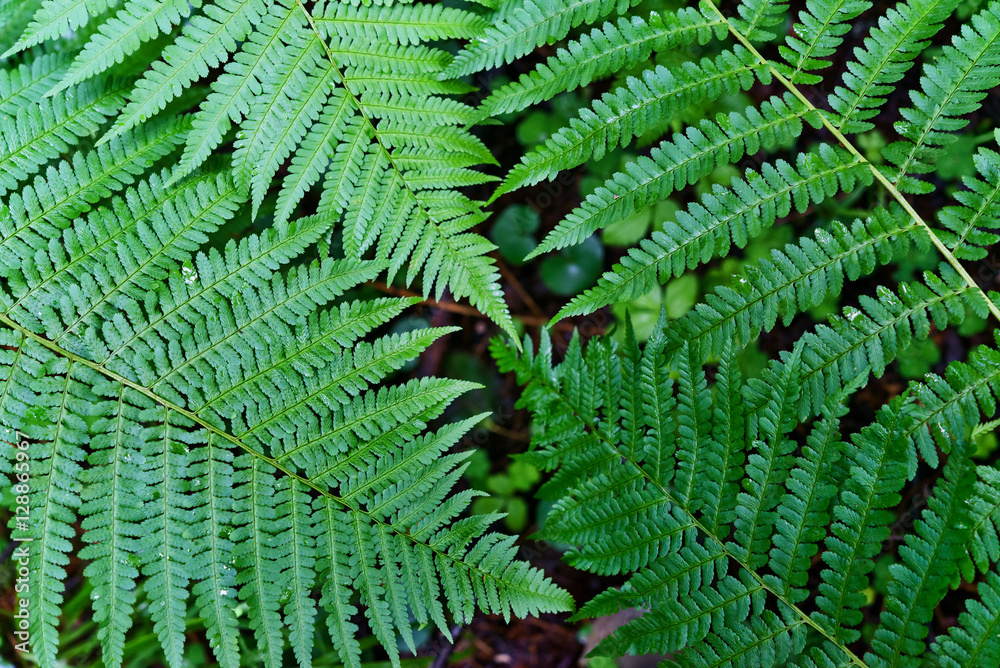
746 521
220 410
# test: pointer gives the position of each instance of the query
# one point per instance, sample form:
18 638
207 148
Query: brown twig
525 296
454 307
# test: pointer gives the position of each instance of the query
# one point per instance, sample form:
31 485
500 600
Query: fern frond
299 82
803 513
280 117
167 443
693 426
970 223
26 85
677 163
211 562
927 561
867 339
137 22
792 281
206 41
630 111
116 487
888 53
58 403
262 546
754 17
817 34
68 190
862 518
612 48
42 133
724 217
974 641
528 24
768 464
767 640
952 87
619 518
277 31
56 17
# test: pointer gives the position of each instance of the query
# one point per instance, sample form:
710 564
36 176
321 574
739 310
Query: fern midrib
697 523
350 19
216 431
879 176
51 488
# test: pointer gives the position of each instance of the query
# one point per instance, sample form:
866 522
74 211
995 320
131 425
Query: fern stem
846 143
